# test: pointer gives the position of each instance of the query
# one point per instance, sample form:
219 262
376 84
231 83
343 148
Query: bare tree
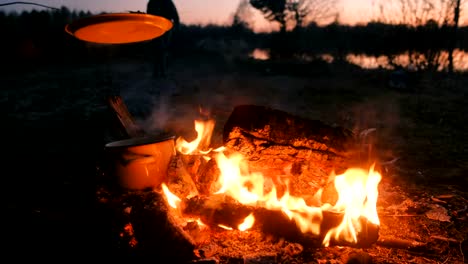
291 14
456 6
318 11
416 13
272 10
243 15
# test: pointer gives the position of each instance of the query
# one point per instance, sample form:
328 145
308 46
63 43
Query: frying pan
119 28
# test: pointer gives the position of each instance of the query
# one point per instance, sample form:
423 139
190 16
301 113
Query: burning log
217 210
203 172
220 210
180 178
278 224
191 175
287 147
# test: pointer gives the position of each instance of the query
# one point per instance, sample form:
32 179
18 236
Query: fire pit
278 176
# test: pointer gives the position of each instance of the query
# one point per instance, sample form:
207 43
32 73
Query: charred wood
217 210
146 227
278 224
282 128
158 232
289 148
221 210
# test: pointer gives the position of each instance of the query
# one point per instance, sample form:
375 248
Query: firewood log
218 210
215 210
283 128
180 179
289 148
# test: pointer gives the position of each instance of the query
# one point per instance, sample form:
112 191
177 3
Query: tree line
40 36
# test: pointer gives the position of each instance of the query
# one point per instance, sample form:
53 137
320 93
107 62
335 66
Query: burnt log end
283 128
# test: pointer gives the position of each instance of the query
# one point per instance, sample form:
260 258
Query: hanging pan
119 28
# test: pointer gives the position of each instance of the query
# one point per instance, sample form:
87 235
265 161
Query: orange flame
247 223
204 131
357 197
357 192
172 199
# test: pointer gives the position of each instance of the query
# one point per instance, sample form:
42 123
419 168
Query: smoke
164 105
149 102
376 124
176 104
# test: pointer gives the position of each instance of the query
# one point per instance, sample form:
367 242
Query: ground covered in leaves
56 122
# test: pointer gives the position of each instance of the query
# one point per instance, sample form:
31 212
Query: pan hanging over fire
119 28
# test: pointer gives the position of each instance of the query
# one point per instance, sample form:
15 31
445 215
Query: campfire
277 177
252 193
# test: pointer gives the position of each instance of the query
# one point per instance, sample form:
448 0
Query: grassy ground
56 123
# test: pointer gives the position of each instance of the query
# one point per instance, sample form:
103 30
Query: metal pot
140 163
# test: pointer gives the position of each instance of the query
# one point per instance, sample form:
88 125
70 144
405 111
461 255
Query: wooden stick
401 244
126 120
447 239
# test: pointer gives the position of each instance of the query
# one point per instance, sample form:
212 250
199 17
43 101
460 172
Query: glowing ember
357 193
225 227
172 199
248 223
200 223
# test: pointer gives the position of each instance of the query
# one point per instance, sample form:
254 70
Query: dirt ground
56 122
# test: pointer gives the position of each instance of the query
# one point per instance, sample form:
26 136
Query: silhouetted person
161 45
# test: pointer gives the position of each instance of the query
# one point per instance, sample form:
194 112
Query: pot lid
119 28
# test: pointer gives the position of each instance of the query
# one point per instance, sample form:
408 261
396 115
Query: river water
460 59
